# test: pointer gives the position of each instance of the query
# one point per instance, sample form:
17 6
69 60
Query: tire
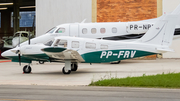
116 62
27 69
74 68
41 62
63 70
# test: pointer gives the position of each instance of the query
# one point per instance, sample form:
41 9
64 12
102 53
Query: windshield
49 43
51 30
17 35
24 35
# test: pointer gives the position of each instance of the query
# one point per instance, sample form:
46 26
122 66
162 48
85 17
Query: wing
63 54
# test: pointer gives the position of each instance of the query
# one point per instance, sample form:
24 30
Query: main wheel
74 67
115 62
66 72
41 62
27 69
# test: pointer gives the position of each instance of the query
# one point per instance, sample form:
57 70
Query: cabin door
74 30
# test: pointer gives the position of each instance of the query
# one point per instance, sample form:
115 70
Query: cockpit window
60 30
49 43
17 35
24 35
60 43
51 30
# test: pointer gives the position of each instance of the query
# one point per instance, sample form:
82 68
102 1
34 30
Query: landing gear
69 67
27 69
74 66
66 72
41 62
115 62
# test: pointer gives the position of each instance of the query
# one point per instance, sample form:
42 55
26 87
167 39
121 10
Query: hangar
50 13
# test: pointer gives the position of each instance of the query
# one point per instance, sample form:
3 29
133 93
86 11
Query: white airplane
18 37
106 30
72 50
21 36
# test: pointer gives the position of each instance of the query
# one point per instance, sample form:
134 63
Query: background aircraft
72 50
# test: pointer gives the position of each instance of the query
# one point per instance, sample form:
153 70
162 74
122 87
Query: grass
171 80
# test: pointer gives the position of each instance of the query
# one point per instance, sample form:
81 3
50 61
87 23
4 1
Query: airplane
110 30
21 36
106 30
18 37
73 50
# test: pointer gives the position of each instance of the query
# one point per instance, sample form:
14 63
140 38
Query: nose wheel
27 69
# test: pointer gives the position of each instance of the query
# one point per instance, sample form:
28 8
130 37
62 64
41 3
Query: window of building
93 30
102 30
60 30
104 46
114 30
84 30
75 44
26 19
90 45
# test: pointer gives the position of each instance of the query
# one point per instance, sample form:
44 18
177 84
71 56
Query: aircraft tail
176 10
162 32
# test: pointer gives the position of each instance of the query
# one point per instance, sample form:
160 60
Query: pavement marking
5 61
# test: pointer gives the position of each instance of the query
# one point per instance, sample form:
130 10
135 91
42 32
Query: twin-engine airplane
72 50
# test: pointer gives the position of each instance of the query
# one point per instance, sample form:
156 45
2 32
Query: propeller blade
19 39
19 55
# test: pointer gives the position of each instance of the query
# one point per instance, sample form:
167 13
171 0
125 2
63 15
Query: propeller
18 51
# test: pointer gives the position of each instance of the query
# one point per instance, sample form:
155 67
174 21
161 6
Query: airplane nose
8 53
4 54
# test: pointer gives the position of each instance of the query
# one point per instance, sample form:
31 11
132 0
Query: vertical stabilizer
162 32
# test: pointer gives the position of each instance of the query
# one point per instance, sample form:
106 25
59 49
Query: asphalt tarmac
85 93
48 83
51 73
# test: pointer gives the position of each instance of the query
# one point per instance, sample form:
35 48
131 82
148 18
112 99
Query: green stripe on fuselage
91 57
30 58
113 55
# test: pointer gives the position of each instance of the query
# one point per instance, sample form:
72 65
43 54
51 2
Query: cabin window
75 44
102 30
93 30
90 45
114 30
60 30
104 46
84 30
